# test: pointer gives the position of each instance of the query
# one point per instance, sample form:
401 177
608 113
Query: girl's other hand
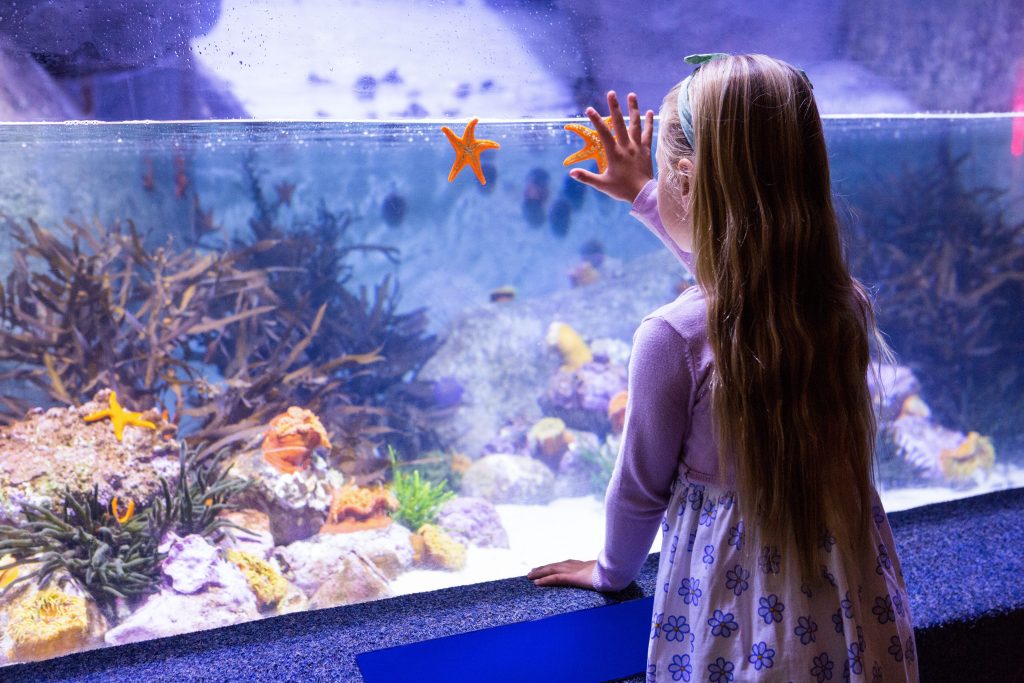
568 573
629 151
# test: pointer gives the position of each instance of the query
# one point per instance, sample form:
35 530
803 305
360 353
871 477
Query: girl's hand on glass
568 573
628 152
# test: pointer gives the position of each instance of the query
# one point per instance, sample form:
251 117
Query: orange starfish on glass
593 148
467 150
119 417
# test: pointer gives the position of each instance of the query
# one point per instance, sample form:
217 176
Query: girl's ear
684 166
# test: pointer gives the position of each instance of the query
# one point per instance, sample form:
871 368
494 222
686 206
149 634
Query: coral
434 548
119 417
974 452
47 623
266 582
418 499
291 438
570 344
354 508
617 411
548 440
460 463
109 559
7 576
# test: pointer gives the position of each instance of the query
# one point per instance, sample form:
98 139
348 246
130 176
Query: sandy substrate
574 528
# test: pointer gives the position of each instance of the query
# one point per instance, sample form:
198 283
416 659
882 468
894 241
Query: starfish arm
452 137
460 163
474 163
98 415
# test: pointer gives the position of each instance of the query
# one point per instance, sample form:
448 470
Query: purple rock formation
473 521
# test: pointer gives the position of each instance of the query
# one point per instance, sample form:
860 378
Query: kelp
98 309
947 262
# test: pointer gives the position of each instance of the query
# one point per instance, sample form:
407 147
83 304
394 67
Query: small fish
285 190
560 217
148 175
593 250
393 208
535 196
181 181
503 294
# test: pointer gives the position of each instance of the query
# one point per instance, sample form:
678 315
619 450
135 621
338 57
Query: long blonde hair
788 325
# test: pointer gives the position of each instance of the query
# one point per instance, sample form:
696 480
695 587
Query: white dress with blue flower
723 613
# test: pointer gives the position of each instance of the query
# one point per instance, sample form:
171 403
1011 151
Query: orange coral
974 452
354 508
290 439
617 411
434 548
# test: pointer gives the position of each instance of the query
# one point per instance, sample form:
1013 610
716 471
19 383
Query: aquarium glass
241 363
414 59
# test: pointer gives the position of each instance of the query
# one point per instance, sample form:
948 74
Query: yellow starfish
467 151
120 417
593 148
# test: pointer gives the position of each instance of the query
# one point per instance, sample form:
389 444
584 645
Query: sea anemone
46 624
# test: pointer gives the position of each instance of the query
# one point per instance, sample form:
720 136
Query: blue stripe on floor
591 645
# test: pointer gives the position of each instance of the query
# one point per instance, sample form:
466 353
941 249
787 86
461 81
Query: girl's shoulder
687 315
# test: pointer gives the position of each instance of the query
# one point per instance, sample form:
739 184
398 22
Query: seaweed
947 262
418 499
105 311
119 557
111 559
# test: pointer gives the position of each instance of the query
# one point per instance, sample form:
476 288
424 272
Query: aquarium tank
270 343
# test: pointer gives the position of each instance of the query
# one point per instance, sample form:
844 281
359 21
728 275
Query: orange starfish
593 148
120 417
467 151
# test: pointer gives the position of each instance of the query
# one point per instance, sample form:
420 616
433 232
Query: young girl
749 425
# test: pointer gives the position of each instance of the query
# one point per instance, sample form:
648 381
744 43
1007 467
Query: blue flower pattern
720 671
690 590
736 536
680 668
736 580
805 630
821 668
675 628
770 609
723 624
709 515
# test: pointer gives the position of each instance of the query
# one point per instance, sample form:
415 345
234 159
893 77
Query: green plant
109 558
118 557
203 490
600 463
418 499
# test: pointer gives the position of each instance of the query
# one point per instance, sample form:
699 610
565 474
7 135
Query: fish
393 208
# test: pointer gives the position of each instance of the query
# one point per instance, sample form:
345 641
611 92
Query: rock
355 579
310 563
473 521
506 478
256 539
497 352
294 601
49 450
296 502
201 590
581 397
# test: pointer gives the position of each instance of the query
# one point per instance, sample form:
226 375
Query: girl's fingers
648 134
602 129
635 133
587 177
616 113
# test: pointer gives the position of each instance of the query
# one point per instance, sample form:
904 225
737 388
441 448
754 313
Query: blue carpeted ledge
963 562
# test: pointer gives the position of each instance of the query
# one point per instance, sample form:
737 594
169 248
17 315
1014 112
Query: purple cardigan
668 429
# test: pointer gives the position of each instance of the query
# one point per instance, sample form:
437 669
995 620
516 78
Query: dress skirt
725 612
